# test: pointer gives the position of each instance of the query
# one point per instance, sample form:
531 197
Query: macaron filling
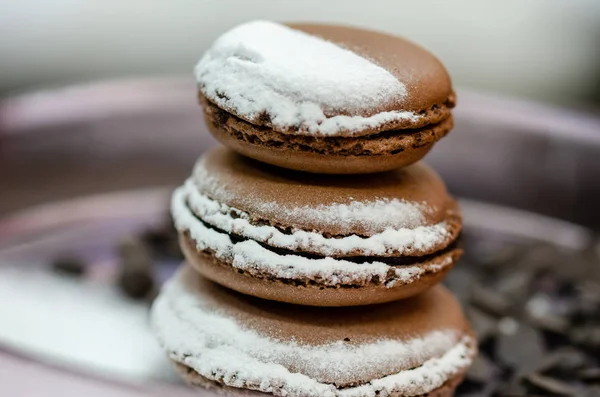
218 348
260 260
368 143
436 115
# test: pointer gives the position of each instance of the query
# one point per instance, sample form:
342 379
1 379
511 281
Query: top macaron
322 98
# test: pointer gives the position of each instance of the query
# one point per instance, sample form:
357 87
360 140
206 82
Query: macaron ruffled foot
221 339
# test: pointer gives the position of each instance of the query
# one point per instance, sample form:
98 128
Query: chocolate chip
590 374
459 281
511 389
488 346
587 336
69 266
540 257
522 350
588 300
555 386
136 274
489 300
545 313
483 324
492 253
133 251
136 283
563 363
515 285
508 326
163 242
482 370
593 391
581 266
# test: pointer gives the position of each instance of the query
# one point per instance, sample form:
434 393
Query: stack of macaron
315 240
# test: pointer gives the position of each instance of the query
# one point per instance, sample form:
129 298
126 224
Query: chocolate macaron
322 98
319 240
219 338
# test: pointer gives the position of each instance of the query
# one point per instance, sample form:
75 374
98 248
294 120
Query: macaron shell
247 185
309 292
426 79
384 153
198 321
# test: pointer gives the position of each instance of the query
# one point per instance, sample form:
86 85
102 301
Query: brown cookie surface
316 239
401 348
426 80
324 98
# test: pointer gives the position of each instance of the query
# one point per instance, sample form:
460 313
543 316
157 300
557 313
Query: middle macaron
319 240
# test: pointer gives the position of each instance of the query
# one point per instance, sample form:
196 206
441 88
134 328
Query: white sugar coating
253 258
296 78
219 348
381 213
405 238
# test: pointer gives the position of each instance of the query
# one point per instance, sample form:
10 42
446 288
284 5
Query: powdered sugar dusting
372 216
253 258
262 67
220 349
380 213
406 237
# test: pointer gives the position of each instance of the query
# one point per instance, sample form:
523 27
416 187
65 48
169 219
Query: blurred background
546 50
99 122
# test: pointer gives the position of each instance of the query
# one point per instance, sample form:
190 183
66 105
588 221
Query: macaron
319 240
219 338
324 98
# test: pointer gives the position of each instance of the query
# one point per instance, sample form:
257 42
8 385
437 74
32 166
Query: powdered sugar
255 259
406 237
380 213
219 348
431 375
297 79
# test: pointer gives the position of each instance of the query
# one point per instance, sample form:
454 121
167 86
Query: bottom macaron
218 337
